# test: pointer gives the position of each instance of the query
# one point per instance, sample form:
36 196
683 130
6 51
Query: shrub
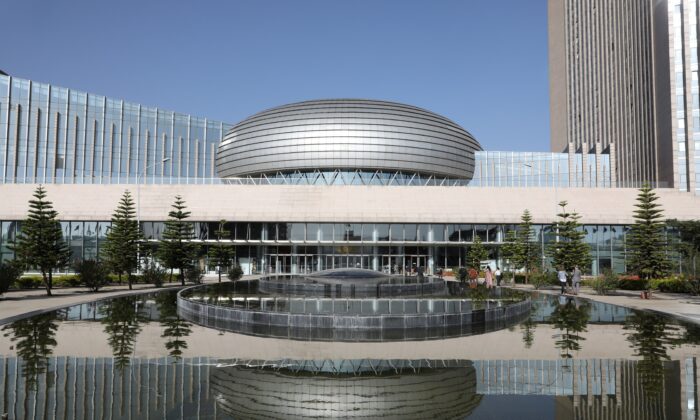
93 274
67 281
543 278
9 274
605 283
30 282
694 287
234 273
519 278
627 283
672 285
194 275
153 274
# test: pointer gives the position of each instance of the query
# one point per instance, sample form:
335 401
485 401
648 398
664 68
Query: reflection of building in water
384 390
597 388
203 387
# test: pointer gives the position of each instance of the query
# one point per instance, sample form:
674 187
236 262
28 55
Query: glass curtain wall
50 134
307 247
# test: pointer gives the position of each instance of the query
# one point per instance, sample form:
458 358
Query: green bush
68 280
631 284
153 274
194 275
30 282
9 274
520 278
235 273
672 285
92 274
543 278
602 285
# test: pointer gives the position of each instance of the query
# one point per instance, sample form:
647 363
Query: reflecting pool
136 357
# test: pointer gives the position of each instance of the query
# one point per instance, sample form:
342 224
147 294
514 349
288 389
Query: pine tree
646 241
121 248
40 243
511 250
476 254
176 250
529 255
571 250
221 252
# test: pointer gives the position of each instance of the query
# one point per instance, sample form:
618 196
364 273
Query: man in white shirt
562 279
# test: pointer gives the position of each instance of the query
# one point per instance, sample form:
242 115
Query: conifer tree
476 254
529 250
646 240
176 250
121 248
510 250
221 252
40 243
571 250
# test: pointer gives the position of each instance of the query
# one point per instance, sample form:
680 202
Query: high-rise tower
609 84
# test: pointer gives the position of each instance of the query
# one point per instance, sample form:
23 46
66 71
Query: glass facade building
54 135
50 134
394 248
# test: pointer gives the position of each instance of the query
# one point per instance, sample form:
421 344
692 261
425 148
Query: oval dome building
348 141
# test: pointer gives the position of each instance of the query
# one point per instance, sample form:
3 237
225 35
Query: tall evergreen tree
529 250
221 252
510 250
571 250
176 250
476 254
40 243
121 248
646 240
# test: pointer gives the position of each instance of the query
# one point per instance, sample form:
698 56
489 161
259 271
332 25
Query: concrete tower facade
608 65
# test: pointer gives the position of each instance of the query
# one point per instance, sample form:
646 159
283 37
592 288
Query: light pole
138 200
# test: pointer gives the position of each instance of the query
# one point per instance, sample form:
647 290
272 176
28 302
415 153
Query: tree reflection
528 328
35 339
122 320
570 317
649 335
174 327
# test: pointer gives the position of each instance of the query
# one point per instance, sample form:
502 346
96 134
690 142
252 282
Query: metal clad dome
347 134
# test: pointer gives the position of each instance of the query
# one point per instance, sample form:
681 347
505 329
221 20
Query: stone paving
22 303
683 306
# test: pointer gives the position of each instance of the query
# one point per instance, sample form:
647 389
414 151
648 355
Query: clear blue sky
481 63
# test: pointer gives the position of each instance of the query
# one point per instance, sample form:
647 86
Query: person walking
576 279
488 277
561 274
498 275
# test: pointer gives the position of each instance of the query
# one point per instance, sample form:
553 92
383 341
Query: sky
481 63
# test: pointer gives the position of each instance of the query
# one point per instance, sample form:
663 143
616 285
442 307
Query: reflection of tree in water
649 335
528 328
122 321
174 327
571 318
35 339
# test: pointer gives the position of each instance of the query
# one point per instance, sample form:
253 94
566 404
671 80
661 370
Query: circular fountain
352 305
350 282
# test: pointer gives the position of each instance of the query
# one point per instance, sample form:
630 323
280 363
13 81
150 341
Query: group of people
489 276
575 280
